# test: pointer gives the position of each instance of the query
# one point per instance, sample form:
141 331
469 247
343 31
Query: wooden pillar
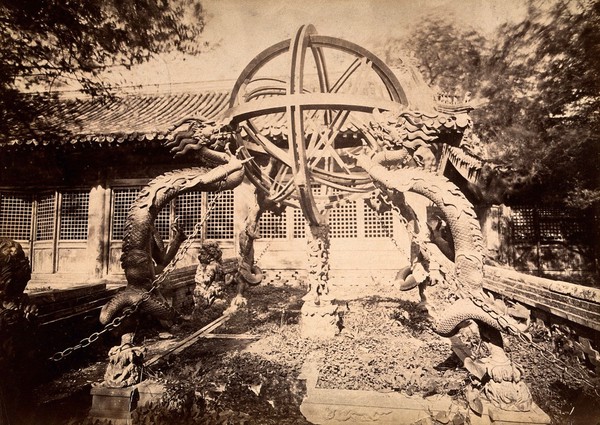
98 226
505 248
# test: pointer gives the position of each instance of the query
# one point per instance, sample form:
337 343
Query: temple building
66 199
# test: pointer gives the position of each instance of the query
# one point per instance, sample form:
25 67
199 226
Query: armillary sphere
317 108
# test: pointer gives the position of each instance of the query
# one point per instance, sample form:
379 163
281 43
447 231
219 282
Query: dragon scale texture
464 227
137 257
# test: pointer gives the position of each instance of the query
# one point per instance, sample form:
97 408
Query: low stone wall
575 303
58 306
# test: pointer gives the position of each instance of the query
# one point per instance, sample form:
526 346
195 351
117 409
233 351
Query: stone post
319 316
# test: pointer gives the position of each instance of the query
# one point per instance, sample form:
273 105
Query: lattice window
122 200
523 225
299 224
562 225
343 221
74 215
15 216
550 225
44 218
378 225
188 208
552 231
272 226
219 225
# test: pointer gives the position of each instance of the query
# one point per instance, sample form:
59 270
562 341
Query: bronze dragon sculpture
142 257
289 138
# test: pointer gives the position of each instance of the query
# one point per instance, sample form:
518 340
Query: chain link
128 311
264 251
269 242
415 238
389 233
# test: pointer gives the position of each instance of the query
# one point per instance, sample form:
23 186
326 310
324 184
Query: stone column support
318 265
319 316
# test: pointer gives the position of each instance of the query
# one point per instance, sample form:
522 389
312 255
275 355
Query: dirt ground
386 344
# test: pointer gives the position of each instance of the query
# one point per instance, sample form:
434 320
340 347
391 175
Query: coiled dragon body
143 255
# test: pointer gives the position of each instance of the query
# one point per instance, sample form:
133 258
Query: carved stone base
319 321
503 417
330 406
505 389
326 406
118 404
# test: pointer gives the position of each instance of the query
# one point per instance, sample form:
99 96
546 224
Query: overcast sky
237 30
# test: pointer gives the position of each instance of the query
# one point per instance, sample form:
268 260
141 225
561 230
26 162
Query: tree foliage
46 43
543 88
537 85
449 57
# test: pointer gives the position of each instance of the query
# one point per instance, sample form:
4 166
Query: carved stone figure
17 352
125 364
209 276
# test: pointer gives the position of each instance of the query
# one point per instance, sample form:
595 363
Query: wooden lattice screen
548 239
549 225
122 200
15 216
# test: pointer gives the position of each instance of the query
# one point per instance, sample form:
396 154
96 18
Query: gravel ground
385 345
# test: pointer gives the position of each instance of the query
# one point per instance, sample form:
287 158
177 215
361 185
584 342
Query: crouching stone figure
210 277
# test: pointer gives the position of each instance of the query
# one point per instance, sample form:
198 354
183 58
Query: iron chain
389 232
413 236
264 251
128 311
269 242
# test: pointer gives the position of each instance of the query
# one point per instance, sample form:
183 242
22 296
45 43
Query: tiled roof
129 118
148 117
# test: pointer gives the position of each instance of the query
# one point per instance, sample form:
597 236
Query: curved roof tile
149 117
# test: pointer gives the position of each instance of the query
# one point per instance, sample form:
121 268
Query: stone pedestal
504 417
118 404
319 321
505 389
319 316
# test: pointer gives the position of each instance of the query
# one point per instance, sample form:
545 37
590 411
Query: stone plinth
319 321
118 404
113 403
503 417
